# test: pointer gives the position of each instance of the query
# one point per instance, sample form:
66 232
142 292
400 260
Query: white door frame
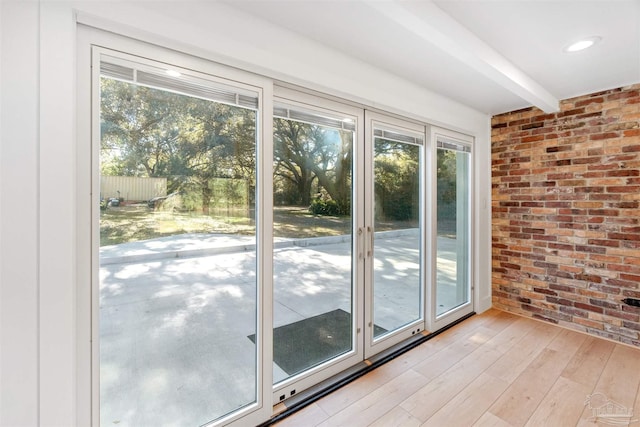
378 120
91 43
315 375
434 321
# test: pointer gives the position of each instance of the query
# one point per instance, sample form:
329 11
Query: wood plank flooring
493 369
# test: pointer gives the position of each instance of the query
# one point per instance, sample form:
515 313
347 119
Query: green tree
397 180
446 164
139 128
293 155
150 132
219 142
334 168
307 154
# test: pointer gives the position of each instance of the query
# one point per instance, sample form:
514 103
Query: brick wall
566 213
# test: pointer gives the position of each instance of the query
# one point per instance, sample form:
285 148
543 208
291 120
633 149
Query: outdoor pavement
176 314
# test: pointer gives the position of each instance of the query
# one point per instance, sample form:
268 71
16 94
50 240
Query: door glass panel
177 256
397 288
313 291
453 280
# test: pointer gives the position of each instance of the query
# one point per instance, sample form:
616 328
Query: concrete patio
176 313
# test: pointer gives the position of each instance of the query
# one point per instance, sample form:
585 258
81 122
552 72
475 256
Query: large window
394 228
313 277
178 249
453 219
249 243
397 213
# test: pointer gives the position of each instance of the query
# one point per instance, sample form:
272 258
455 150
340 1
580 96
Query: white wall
19 214
57 219
38 340
1 7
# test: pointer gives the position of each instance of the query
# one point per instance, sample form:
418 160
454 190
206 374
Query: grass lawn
129 223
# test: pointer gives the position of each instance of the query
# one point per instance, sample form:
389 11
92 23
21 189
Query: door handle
370 251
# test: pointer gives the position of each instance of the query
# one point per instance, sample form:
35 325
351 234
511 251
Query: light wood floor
493 369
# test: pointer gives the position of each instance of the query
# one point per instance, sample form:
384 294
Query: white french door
394 231
451 292
317 281
250 242
173 181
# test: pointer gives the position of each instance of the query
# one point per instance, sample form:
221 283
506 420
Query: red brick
624 236
568 113
624 189
566 233
589 101
631 277
623 95
605 135
589 307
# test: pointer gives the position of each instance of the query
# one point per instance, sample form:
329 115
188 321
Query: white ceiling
494 56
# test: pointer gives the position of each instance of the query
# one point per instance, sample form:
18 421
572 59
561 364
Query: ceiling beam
427 21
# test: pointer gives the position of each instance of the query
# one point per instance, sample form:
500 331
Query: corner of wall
483 289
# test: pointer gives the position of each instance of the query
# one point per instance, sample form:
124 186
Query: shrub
324 207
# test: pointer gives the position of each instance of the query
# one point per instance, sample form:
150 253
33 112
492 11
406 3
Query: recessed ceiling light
173 73
582 44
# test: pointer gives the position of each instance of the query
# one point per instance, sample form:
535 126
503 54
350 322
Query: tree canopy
196 143
149 132
397 180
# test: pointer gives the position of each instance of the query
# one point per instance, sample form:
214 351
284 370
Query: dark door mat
306 343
